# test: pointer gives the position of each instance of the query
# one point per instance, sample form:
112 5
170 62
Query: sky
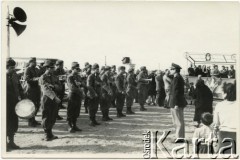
153 34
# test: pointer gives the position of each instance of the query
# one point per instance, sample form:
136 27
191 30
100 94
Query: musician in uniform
87 71
113 75
106 94
177 101
41 69
142 80
75 97
60 73
130 91
32 88
49 85
120 93
94 87
14 94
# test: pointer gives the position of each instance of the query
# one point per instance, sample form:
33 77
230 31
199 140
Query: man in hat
87 72
130 91
120 94
94 87
32 89
142 80
50 86
106 94
75 97
113 75
177 101
60 73
14 95
102 70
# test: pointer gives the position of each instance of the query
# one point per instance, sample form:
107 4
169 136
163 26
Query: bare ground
120 136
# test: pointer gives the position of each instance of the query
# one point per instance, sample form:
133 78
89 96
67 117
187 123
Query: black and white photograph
120 79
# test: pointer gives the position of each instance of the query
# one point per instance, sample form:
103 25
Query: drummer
50 101
14 94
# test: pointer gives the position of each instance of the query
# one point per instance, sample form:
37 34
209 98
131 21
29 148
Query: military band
32 88
92 87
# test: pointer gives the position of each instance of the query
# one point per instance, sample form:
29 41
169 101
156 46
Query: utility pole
8 34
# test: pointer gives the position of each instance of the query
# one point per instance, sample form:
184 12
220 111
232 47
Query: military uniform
142 88
49 85
87 69
176 98
58 72
113 87
32 89
120 93
14 92
105 98
130 92
94 87
74 99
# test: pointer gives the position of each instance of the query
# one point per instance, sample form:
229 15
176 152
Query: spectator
215 71
223 72
167 83
227 70
160 89
152 89
198 70
204 132
226 117
231 73
203 102
208 72
204 71
191 92
191 71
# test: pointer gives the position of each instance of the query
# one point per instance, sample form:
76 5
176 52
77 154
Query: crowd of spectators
207 71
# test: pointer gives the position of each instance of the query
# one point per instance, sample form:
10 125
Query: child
206 132
191 93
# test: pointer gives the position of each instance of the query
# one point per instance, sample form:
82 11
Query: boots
52 136
47 135
11 144
107 115
31 123
104 117
86 109
142 108
36 122
120 114
129 111
75 126
59 117
71 130
94 121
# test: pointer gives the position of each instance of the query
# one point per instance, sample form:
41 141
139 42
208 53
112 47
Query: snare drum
25 109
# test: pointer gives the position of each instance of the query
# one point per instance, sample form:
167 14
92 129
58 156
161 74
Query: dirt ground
120 136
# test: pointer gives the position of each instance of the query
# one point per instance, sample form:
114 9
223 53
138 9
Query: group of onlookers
207 71
215 122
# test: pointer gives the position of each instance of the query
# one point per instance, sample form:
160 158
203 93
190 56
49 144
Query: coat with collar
176 97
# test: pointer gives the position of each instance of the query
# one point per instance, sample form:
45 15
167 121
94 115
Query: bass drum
25 109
